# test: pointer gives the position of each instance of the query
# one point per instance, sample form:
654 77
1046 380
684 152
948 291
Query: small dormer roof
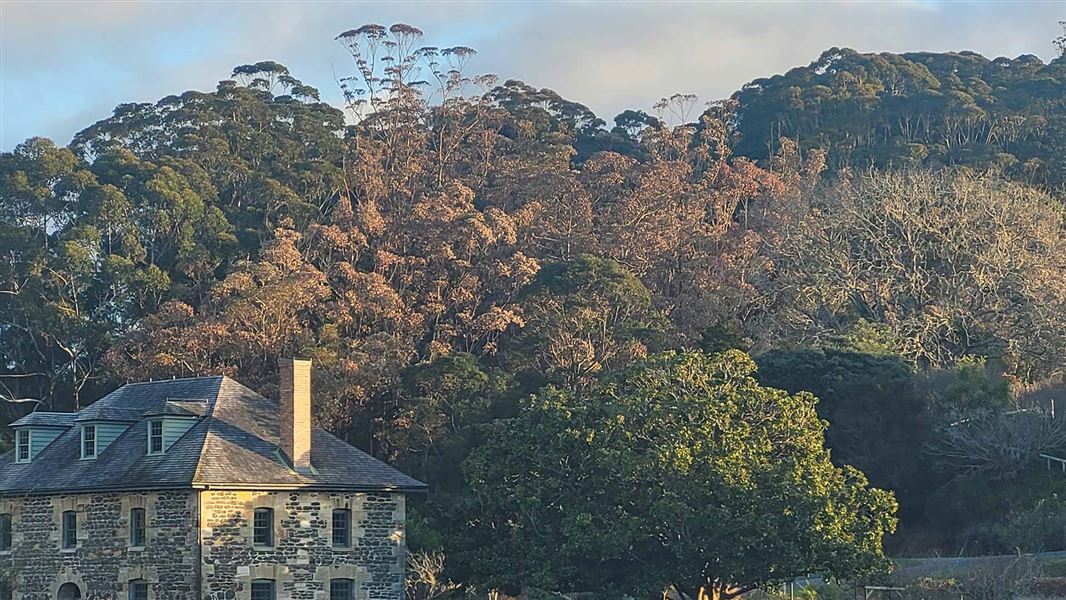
178 408
234 443
96 412
46 419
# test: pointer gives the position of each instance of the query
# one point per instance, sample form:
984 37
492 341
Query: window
263 589
155 436
23 444
137 523
139 590
5 591
88 441
5 533
263 527
341 589
342 528
70 530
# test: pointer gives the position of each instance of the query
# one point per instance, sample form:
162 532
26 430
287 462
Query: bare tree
1000 446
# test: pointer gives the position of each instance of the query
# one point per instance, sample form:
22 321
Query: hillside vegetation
690 350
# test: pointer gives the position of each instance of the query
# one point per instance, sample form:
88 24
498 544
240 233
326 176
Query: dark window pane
263 589
341 589
342 528
5 532
70 529
88 441
23 445
137 527
263 527
138 590
155 437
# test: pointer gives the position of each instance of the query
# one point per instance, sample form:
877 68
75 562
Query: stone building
198 489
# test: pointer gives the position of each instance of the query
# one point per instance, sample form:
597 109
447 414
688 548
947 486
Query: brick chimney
294 419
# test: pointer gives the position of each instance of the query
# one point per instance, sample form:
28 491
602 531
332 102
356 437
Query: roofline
174 379
37 426
90 490
312 487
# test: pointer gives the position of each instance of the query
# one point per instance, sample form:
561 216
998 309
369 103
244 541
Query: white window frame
96 445
162 442
19 445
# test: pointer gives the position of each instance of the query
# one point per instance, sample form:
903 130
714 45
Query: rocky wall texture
302 560
103 564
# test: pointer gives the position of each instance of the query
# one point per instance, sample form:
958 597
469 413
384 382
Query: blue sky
65 65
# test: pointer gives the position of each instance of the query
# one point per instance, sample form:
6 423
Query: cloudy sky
66 64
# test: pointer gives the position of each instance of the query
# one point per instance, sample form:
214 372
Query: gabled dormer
99 426
35 431
169 421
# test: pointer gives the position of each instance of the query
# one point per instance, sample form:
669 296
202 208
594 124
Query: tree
583 318
917 109
952 263
441 403
681 471
877 412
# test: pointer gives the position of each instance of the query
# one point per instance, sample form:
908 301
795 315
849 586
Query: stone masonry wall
102 564
302 560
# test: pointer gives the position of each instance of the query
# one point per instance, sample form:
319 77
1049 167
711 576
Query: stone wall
302 560
102 563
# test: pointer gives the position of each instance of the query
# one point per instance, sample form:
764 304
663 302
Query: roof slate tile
234 443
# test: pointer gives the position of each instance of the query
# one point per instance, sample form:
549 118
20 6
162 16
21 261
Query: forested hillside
487 276
915 109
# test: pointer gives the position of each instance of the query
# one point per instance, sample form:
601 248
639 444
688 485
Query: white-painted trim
96 444
29 445
162 439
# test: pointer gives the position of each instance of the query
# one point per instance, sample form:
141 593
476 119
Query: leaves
680 471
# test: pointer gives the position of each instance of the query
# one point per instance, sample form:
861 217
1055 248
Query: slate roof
47 419
175 408
234 443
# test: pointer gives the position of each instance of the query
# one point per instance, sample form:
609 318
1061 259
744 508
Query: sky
66 64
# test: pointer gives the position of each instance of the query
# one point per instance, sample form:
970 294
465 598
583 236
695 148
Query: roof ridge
207 421
127 384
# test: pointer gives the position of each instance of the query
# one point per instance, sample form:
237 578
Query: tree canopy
681 471
490 278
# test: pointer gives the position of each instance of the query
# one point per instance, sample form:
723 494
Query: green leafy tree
876 407
680 472
442 403
583 318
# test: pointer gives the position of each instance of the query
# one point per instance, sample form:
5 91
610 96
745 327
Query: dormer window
23 446
88 441
155 436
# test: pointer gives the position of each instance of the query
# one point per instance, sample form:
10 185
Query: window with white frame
155 436
88 441
23 445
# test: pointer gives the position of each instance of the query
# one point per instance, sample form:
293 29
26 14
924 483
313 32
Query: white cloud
66 64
